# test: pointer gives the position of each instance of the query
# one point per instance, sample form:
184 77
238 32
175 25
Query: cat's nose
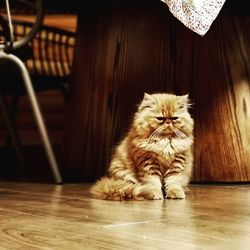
168 121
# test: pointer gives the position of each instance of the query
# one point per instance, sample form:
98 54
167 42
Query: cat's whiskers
179 134
155 132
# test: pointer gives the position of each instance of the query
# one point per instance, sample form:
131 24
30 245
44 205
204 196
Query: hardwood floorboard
47 216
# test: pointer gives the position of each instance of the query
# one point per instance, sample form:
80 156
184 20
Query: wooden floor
44 216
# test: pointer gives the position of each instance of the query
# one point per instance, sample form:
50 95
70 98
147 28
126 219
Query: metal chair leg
37 113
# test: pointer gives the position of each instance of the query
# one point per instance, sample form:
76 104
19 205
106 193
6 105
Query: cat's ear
148 98
147 102
184 101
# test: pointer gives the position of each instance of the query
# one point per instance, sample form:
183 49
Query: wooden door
127 48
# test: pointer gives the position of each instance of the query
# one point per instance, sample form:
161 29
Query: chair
12 54
48 56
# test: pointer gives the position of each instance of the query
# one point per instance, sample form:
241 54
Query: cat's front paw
156 196
175 193
151 193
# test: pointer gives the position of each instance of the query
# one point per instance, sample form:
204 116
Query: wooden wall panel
127 48
222 97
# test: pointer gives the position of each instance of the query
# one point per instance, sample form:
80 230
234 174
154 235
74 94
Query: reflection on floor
46 216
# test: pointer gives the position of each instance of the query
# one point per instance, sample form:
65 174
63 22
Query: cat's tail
116 189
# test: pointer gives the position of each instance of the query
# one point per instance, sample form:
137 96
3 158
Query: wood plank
45 216
65 21
221 91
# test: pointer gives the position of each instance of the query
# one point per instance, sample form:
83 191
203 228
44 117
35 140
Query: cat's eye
160 118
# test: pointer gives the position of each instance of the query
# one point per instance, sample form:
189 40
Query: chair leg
37 113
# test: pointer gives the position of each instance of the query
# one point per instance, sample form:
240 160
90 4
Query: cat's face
164 116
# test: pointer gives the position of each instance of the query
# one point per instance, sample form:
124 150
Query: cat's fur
155 159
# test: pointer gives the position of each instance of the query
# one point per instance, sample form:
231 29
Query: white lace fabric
197 15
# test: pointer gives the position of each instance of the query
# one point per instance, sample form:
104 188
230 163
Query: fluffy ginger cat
154 160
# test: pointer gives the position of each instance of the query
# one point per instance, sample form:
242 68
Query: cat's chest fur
165 148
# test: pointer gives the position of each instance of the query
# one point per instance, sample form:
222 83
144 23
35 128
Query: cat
155 159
